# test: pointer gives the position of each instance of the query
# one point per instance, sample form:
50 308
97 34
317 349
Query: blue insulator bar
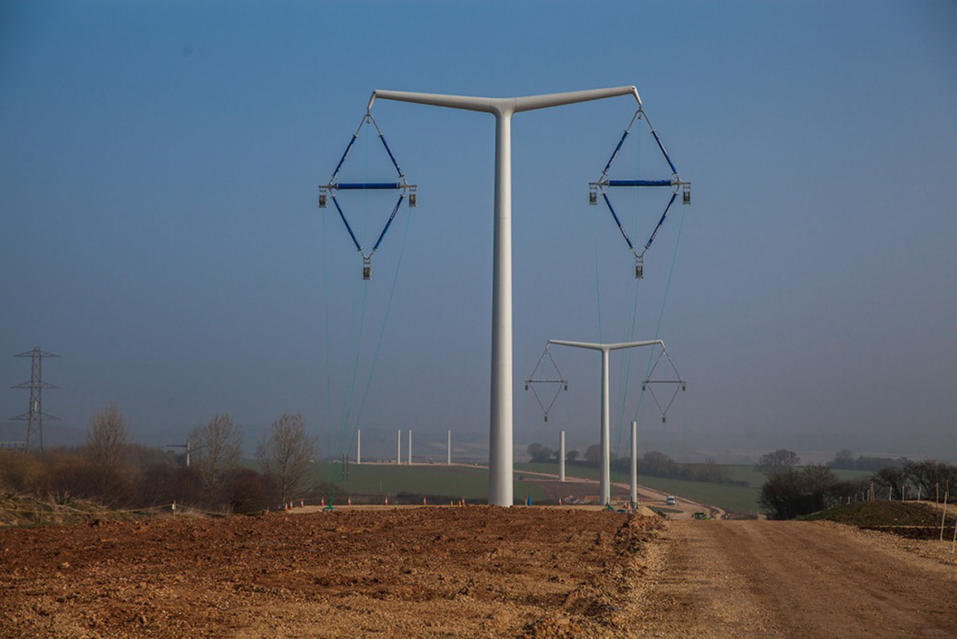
618 222
615 152
391 157
640 183
348 228
343 158
662 220
665 153
388 223
347 186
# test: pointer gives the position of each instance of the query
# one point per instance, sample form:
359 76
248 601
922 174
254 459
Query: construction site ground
472 571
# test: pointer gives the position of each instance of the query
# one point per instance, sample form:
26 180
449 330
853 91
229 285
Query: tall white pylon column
605 484
634 463
500 456
410 446
358 446
561 456
398 446
448 449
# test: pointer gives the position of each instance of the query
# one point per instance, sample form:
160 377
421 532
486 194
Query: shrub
791 492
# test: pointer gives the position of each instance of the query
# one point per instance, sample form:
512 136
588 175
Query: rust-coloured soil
471 571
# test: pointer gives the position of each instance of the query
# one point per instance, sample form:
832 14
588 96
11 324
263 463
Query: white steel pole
500 424
398 446
410 446
358 446
605 436
448 449
605 483
561 456
500 418
634 463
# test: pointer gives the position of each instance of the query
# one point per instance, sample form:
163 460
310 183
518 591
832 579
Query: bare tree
285 453
106 437
218 447
778 461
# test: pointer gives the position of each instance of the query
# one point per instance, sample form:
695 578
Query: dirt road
796 579
683 509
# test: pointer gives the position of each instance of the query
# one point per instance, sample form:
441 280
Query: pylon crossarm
604 183
676 381
559 382
328 191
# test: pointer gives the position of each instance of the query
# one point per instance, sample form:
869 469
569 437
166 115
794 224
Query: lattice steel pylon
34 415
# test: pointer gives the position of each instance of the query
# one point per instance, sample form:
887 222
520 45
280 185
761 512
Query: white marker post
561 456
605 484
448 449
398 446
953 543
634 463
943 515
358 446
500 455
410 447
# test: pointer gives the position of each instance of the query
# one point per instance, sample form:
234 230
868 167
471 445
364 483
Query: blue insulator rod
347 186
391 157
661 221
387 224
615 152
665 153
344 154
344 221
641 183
618 222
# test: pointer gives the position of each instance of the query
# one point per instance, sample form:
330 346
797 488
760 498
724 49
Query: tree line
118 473
791 491
652 463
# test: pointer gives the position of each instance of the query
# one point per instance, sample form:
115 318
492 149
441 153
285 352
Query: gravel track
797 579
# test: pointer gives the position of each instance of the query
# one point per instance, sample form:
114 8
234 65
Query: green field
472 483
739 499
451 482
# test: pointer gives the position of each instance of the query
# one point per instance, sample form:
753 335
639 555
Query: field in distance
434 480
735 498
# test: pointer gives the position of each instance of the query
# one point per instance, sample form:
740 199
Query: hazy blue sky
159 227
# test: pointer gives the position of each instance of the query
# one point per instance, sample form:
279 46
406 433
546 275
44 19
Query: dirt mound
883 513
22 510
474 571
906 519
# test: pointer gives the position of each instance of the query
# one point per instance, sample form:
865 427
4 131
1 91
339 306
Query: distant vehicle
700 515
671 500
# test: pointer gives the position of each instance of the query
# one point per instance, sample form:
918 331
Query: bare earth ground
475 571
799 579
471 571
